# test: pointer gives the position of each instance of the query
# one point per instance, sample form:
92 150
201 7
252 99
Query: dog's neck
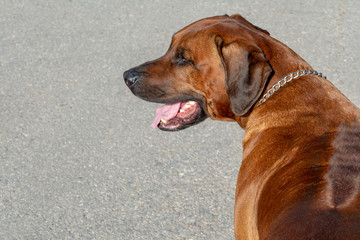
284 58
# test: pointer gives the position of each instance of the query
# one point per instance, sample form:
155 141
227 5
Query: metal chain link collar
285 80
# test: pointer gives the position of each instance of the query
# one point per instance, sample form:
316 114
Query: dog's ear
247 72
244 21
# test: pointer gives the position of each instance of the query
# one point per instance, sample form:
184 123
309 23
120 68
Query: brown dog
300 174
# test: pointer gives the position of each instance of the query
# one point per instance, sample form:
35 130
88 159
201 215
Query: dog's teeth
182 110
163 120
189 104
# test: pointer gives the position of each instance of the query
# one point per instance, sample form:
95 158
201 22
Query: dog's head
213 67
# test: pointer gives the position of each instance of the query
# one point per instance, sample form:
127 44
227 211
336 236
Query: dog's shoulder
343 177
332 209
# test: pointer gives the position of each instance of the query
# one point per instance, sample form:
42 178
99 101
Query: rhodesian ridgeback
300 173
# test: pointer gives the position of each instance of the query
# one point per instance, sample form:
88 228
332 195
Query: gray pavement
78 159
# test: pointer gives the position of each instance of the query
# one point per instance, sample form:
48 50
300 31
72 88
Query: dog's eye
185 60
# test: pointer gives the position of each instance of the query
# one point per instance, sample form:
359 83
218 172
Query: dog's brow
172 39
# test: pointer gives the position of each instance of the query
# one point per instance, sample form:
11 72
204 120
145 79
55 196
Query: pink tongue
166 112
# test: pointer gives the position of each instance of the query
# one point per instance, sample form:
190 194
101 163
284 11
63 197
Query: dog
300 173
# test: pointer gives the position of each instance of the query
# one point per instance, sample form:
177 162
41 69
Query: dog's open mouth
177 116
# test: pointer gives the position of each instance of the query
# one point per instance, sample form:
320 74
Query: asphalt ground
78 159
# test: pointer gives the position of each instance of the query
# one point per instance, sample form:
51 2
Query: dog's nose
130 77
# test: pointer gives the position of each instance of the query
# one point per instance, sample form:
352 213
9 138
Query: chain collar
285 80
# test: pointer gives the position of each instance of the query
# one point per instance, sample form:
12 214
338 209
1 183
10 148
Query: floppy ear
247 71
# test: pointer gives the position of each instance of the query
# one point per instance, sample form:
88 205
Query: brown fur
343 177
300 173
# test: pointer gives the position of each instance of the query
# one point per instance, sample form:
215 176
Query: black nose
130 77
